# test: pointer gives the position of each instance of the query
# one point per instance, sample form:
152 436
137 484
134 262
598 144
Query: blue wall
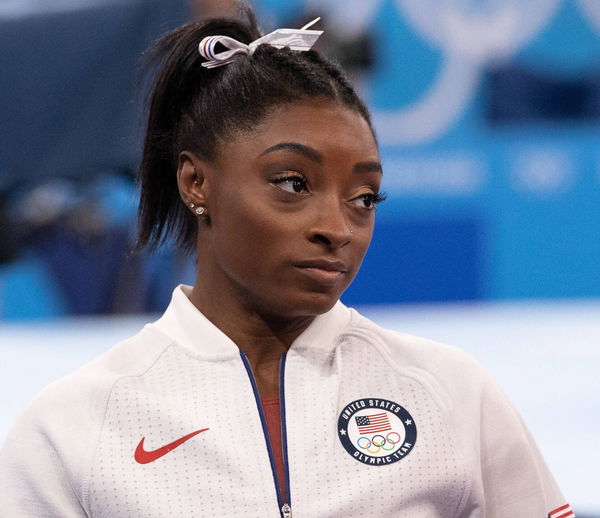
500 198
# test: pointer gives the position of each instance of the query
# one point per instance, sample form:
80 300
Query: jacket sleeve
37 463
506 476
515 480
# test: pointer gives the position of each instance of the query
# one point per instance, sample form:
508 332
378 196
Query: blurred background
488 116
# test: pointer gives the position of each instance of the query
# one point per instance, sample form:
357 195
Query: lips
322 270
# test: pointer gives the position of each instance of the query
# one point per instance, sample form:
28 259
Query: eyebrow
294 147
367 167
317 156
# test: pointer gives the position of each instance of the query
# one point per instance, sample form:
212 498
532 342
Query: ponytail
179 83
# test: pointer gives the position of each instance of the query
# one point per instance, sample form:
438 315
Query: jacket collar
185 324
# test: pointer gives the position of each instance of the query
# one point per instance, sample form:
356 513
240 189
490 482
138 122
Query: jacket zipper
286 510
284 507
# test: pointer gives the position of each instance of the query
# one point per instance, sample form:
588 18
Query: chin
298 304
313 304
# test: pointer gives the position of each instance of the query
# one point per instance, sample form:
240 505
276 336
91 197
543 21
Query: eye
369 200
294 183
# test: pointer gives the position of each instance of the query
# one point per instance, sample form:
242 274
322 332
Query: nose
330 226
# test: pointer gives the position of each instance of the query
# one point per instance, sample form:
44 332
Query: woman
257 392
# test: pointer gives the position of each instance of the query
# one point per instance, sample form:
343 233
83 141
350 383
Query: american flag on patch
374 423
563 511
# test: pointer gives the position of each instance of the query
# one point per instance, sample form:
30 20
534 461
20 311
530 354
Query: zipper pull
286 511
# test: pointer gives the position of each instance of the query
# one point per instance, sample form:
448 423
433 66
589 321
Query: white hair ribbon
296 39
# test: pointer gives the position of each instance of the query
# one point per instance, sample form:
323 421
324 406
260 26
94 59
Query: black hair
194 108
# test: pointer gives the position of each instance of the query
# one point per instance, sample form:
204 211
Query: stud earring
192 205
200 210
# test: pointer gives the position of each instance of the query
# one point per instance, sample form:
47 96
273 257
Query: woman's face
291 210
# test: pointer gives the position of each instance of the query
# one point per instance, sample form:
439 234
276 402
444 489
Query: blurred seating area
71 125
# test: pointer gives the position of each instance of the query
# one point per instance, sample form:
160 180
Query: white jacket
375 424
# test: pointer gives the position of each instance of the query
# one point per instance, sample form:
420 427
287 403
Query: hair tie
296 39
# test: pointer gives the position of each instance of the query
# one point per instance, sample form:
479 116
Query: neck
263 338
250 330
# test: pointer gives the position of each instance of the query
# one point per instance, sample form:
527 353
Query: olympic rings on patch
361 446
392 446
374 451
379 441
390 441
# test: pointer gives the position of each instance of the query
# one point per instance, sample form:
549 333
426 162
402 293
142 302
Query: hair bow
296 39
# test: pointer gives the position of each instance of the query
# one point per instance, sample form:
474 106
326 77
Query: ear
191 180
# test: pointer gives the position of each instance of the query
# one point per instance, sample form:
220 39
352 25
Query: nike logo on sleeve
144 457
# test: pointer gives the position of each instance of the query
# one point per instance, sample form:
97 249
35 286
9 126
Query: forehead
326 126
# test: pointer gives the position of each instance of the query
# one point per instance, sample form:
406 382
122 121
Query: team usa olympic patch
376 431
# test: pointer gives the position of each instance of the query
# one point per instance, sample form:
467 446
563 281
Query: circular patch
376 431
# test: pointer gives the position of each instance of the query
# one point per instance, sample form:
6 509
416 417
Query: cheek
247 235
363 233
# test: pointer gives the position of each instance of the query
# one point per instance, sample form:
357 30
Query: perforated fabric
465 450
179 395
430 481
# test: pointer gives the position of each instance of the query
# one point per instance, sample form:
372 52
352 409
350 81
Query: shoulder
84 389
444 369
487 429
47 454
67 415
413 351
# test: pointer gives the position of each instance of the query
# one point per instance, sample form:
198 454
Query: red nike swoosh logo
144 457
